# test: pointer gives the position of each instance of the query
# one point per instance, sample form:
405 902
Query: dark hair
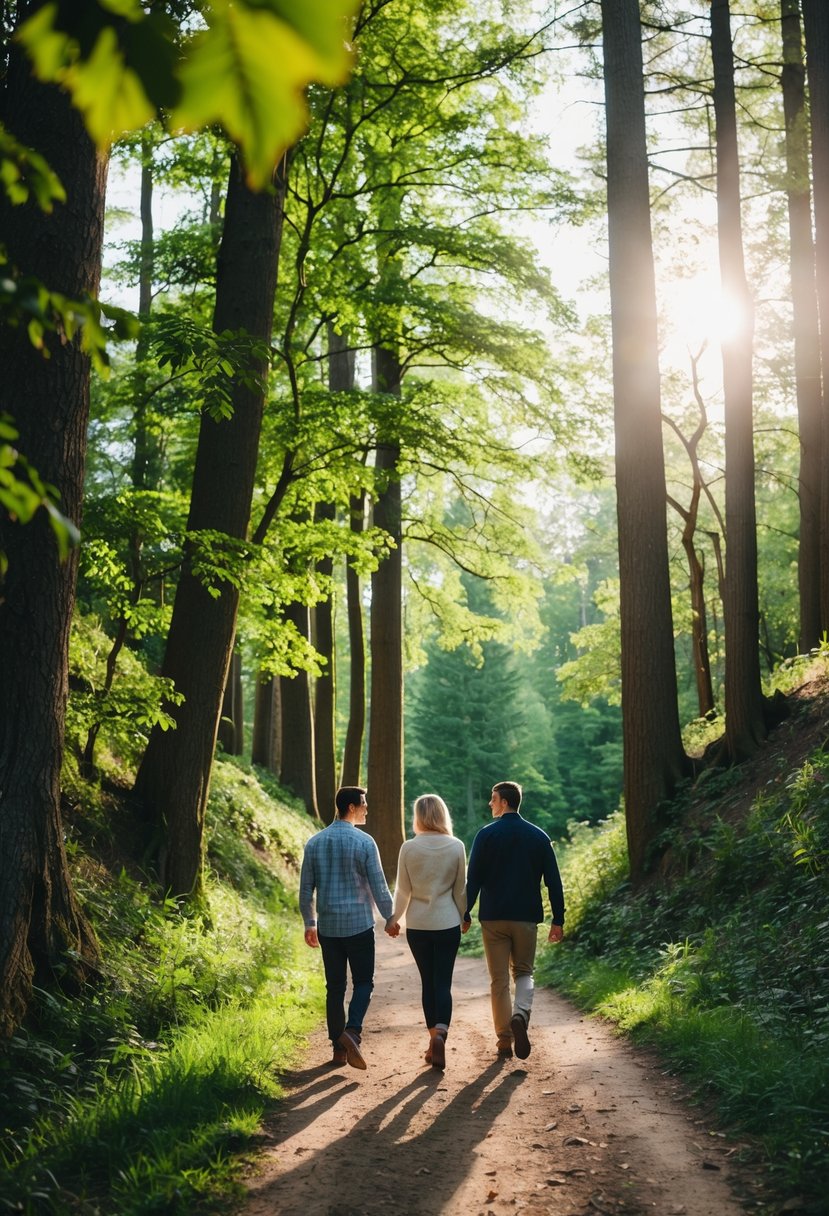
511 792
346 796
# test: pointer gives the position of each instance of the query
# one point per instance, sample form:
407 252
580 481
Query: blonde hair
431 814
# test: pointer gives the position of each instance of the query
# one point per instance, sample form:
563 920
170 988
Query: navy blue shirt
510 859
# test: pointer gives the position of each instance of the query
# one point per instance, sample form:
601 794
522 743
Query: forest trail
586 1125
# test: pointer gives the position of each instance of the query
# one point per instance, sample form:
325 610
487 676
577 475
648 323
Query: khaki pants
509 946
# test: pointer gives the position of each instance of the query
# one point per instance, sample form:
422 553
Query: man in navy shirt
510 858
342 875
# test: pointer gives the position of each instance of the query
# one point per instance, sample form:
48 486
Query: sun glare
695 312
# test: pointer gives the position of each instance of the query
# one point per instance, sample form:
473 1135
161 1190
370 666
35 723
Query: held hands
556 933
392 927
311 938
466 925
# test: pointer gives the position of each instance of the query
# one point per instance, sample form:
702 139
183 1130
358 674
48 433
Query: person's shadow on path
370 1168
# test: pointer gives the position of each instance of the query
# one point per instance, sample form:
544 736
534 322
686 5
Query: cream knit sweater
431 882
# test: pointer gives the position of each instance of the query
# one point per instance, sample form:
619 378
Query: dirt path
584 1126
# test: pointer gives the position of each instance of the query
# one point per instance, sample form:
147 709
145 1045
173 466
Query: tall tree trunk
266 750
745 724
385 741
353 749
298 770
654 759
174 776
146 462
805 319
325 744
231 733
44 936
816 30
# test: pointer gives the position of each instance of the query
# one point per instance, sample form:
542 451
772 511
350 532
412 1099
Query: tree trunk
745 725
298 770
325 744
44 937
174 776
816 30
654 759
805 320
385 746
353 749
266 750
232 722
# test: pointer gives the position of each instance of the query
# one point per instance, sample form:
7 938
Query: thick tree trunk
298 770
355 731
385 746
805 319
43 934
174 776
816 30
654 759
266 750
745 724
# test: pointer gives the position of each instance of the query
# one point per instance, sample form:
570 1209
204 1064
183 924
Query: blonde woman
431 892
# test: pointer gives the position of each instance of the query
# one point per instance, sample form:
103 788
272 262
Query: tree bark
298 770
805 322
266 750
654 759
325 744
816 31
232 721
174 777
355 731
44 937
745 725
385 746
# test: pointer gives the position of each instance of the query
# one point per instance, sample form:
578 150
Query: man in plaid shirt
341 866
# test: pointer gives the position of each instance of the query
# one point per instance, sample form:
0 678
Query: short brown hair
511 792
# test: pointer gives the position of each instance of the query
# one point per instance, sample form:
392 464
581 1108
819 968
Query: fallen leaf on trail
624 1165
573 1108
551 1126
547 1093
556 1180
710 1165
491 1173
423 1170
492 1195
576 1140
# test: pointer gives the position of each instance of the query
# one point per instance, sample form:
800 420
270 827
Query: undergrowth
140 1095
723 961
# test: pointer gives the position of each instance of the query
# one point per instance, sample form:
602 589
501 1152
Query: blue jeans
434 952
356 952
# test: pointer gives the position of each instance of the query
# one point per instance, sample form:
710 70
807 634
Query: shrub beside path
586 1125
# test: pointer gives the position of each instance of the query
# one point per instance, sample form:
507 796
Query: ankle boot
437 1049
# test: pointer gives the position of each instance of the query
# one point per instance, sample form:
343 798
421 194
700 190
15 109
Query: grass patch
142 1095
723 963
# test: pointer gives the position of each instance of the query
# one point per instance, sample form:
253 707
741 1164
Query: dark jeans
434 951
356 952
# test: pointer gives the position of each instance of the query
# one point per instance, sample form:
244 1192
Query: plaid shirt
342 865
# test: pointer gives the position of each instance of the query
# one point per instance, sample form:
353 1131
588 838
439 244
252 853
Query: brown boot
437 1049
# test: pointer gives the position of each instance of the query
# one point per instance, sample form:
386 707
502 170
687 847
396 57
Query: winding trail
586 1125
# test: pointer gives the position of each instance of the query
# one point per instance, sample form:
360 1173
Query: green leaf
229 77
